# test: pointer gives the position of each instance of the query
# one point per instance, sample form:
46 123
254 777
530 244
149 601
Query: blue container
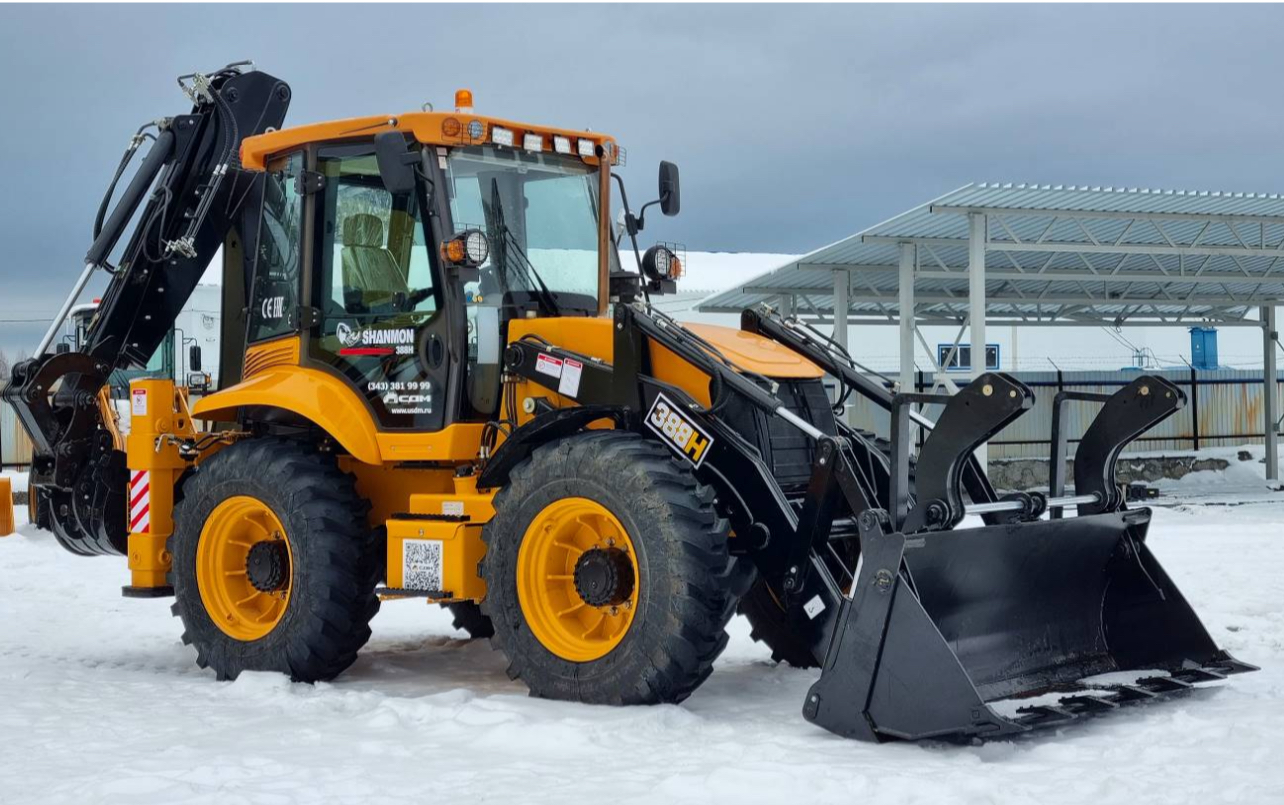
1203 347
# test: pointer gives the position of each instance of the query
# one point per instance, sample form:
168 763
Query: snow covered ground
99 702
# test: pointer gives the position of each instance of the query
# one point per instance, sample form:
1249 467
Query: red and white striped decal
140 502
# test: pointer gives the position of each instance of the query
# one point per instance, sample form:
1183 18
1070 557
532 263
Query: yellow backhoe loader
439 382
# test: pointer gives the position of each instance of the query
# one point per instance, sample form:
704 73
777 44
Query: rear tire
287 494
769 625
646 511
768 621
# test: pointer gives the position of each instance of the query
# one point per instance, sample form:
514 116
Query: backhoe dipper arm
190 188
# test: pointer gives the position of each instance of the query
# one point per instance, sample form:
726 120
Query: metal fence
1226 411
1223 408
15 445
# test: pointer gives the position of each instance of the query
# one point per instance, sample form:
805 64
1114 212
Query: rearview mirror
396 164
670 190
194 358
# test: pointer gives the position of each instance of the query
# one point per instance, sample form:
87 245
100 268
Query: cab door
378 294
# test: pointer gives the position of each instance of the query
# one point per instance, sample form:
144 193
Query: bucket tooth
1193 675
1086 703
1044 715
1163 684
1125 694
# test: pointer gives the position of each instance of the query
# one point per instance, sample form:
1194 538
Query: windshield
540 213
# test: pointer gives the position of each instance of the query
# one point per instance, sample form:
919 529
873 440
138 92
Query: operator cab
397 258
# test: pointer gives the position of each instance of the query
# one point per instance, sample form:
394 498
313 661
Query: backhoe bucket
943 623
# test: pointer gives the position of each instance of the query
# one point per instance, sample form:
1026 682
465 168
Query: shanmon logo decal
347 335
354 341
677 431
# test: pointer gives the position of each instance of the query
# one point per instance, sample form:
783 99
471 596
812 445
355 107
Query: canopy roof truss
1052 255
1046 255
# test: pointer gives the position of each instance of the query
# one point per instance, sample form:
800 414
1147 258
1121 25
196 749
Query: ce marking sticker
677 431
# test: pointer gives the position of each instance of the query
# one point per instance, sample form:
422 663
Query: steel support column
907 316
1270 378
908 323
976 237
842 288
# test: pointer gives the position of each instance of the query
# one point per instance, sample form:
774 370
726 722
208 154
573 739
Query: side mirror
194 358
396 163
670 189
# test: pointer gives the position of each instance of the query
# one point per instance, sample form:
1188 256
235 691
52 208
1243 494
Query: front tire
607 571
273 562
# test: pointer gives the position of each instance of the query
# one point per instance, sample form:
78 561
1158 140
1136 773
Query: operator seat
369 270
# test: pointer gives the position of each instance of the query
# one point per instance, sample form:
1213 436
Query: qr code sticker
421 564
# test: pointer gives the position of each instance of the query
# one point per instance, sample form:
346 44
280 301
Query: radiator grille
787 451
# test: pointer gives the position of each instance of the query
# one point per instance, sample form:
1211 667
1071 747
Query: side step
401 592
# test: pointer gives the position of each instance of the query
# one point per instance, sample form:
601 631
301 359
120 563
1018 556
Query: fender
546 427
326 401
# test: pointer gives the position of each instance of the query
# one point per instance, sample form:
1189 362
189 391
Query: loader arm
931 627
186 196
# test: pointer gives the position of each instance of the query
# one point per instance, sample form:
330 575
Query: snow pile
99 701
1243 479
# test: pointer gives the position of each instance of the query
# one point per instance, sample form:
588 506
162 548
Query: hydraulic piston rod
1016 505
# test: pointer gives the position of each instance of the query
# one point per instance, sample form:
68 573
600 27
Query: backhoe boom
197 192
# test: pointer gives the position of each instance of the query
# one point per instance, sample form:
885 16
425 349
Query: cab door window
274 295
377 292
376 262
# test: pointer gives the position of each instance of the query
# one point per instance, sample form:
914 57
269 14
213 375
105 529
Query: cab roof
429 128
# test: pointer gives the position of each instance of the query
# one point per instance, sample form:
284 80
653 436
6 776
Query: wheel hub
267 565
604 577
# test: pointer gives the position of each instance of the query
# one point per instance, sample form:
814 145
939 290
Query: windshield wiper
531 272
495 213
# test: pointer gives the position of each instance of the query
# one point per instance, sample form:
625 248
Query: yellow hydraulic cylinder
159 421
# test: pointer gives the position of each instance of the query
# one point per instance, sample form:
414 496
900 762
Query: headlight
501 136
476 247
469 249
533 142
660 263
561 145
588 148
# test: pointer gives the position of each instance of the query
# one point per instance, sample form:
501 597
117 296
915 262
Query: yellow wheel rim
554 545
238 607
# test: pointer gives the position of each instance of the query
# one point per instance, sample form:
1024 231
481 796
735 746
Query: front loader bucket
942 626
944 622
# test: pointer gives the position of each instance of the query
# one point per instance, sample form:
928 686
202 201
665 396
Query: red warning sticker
548 365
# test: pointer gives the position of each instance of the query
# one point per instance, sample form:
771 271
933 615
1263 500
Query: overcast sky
793 126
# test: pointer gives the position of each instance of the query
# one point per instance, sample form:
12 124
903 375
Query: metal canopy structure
1047 255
